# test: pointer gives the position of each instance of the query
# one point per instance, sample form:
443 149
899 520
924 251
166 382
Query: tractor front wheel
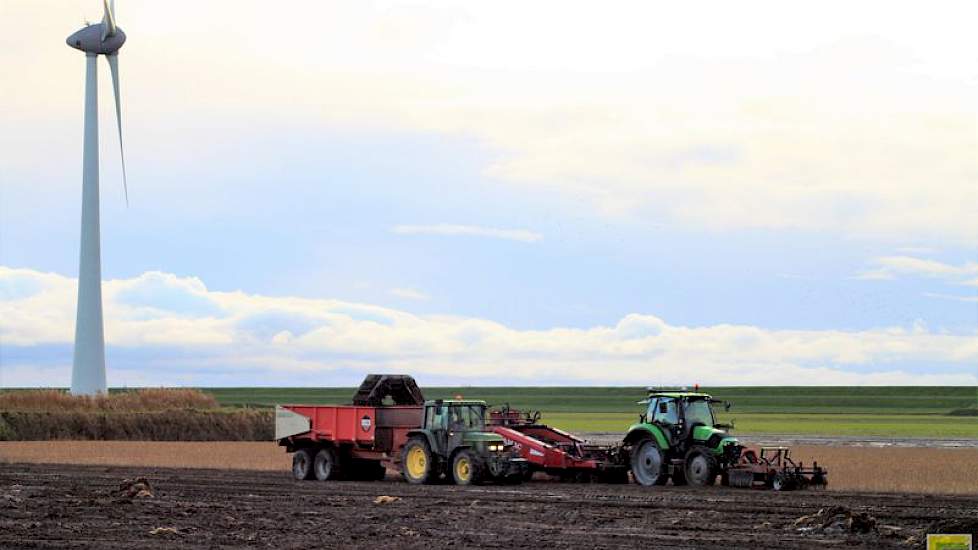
302 465
701 467
417 462
648 465
466 469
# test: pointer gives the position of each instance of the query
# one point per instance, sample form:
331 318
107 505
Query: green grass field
828 424
857 411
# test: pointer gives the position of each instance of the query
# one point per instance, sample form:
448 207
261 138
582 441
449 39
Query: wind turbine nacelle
89 40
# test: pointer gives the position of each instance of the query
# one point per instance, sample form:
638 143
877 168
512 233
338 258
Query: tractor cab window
650 412
467 417
437 417
698 412
665 411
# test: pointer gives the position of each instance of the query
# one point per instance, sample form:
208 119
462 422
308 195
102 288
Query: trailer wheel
326 466
701 467
648 466
466 469
417 463
302 465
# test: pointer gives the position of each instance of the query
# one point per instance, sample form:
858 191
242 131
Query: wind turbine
88 368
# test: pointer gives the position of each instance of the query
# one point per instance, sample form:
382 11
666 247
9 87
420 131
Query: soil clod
135 488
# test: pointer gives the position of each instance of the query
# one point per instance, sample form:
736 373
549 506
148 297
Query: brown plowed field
917 470
57 506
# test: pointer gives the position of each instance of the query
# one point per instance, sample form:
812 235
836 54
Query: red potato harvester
556 452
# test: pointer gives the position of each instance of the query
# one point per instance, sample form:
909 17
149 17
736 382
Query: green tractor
678 438
453 442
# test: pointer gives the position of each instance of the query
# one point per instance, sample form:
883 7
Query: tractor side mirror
727 405
663 408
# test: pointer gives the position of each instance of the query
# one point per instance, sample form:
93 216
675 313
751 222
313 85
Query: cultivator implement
773 468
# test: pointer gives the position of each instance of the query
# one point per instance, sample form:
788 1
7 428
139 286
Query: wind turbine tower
88 368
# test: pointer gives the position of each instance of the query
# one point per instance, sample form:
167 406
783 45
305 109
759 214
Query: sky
545 193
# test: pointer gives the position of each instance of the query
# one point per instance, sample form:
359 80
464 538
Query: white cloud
767 115
953 297
230 334
409 294
521 235
890 267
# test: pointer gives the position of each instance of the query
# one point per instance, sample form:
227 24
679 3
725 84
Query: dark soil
46 506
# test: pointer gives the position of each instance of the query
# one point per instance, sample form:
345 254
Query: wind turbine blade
108 21
114 67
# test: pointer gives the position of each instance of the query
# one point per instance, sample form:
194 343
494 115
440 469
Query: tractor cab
683 416
453 423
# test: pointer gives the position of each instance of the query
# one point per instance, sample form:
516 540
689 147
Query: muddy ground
52 506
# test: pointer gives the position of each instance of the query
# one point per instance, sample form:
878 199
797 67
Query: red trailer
351 441
556 452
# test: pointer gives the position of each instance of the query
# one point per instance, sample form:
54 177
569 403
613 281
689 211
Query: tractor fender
638 432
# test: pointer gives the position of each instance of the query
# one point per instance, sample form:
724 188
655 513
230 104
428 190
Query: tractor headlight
495 447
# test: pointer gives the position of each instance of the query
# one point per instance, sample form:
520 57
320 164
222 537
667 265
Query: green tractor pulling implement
454 442
679 439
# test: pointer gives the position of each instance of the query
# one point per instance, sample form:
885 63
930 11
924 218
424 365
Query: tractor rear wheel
326 465
302 465
417 462
466 469
648 464
701 467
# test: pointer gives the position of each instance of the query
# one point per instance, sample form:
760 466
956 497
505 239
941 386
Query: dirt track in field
911 470
52 506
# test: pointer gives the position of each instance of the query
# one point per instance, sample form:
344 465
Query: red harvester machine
556 452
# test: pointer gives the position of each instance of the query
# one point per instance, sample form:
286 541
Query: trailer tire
648 464
466 468
701 468
302 465
418 464
326 465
